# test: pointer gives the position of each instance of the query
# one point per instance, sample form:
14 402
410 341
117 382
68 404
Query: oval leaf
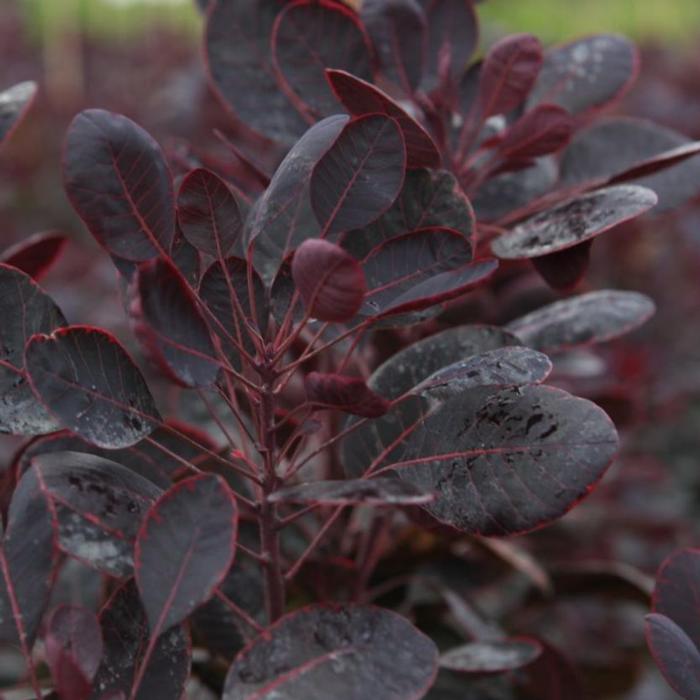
118 182
360 176
368 652
329 280
491 656
543 130
14 104
574 221
36 254
89 382
596 317
349 394
195 523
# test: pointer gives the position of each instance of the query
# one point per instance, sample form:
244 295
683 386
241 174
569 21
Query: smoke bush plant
380 177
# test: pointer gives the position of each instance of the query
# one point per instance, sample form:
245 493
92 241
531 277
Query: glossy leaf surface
491 656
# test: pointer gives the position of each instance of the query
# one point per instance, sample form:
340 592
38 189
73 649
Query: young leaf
508 366
360 98
239 62
491 656
574 221
283 218
99 506
398 31
595 317
329 280
195 523
14 104
88 381
307 37
348 394
675 653
586 74
208 213
25 309
36 254
73 650
485 453
360 176
542 130
118 181
174 328
508 72
127 667
370 492
364 651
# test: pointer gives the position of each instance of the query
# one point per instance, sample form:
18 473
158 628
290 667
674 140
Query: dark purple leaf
73 651
398 31
574 221
506 461
362 652
173 327
239 61
360 176
453 32
195 522
25 309
552 676
491 656
36 254
595 317
586 74
208 213
135 664
118 181
627 149
283 218
508 72
14 104
373 492
508 366
329 280
99 506
675 654
185 257
564 269
310 36
360 98
88 381
542 130
348 394
27 563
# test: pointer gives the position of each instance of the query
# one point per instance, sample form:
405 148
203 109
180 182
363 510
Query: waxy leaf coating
595 317
348 394
385 491
352 651
360 176
173 326
88 381
309 36
491 656
184 549
14 103
330 281
118 181
99 505
36 254
574 221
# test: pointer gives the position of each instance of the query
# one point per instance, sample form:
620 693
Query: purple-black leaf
208 213
491 656
595 317
118 181
36 254
173 327
366 651
360 97
330 281
579 219
542 130
309 36
360 176
88 381
195 523
564 269
348 394
99 505
586 74
14 104
385 491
